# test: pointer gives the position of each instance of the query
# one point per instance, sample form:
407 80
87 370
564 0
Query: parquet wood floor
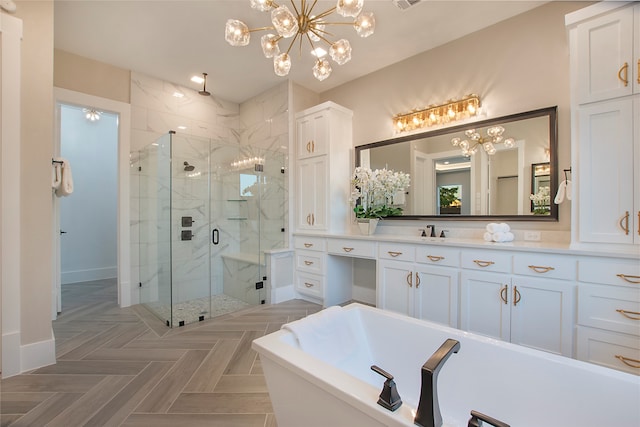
123 367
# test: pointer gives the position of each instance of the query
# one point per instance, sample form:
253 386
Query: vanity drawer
552 267
354 248
311 243
311 261
486 261
624 273
397 251
310 284
609 307
610 349
445 257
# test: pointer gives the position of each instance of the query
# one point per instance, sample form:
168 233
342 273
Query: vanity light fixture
450 111
474 141
303 23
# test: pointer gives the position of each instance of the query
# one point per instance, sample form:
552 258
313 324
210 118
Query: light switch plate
533 236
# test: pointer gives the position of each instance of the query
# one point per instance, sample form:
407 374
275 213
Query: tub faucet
428 412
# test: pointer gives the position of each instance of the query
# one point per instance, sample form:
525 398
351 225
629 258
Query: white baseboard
76 276
10 354
283 293
38 354
362 294
17 359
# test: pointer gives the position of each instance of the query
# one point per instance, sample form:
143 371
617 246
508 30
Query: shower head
204 92
188 167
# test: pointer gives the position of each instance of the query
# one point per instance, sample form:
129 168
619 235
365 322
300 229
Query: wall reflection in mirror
478 170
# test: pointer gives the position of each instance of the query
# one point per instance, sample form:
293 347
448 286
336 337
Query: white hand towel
501 237
562 188
569 190
492 227
488 237
504 227
56 176
66 183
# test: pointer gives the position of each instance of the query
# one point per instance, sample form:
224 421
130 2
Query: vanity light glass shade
349 7
269 44
437 114
341 51
365 24
322 69
285 22
282 64
236 33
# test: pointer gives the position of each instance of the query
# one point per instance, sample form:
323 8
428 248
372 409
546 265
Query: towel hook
53 162
565 173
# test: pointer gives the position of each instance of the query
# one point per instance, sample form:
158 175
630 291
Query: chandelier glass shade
474 141
303 23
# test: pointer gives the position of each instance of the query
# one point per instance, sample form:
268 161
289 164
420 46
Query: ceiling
175 39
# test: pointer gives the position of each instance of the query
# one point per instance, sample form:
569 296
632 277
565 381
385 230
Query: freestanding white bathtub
330 384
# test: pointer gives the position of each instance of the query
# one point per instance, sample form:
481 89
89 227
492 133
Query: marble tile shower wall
213 127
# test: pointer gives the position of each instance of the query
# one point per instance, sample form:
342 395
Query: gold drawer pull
639 211
629 314
308 245
639 71
347 249
410 279
417 280
308 263
541 269
481 263
503 294
394 254
629 361
516 296
624 69
629 278
308 285
624 223
435 258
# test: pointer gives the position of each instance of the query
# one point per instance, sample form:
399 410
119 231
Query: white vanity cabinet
411 282
605 71
323 167
532 311
608 331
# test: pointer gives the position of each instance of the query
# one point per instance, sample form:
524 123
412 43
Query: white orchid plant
376 194
541 200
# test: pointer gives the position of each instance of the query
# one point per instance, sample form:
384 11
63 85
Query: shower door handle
215 236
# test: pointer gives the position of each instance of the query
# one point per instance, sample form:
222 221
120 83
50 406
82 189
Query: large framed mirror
503 168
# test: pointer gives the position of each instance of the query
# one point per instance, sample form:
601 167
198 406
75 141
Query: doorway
117 116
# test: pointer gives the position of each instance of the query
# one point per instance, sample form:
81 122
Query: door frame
123 110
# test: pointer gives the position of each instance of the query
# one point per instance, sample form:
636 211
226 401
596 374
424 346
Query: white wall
88 215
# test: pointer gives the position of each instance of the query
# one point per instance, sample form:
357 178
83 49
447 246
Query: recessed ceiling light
182 127
178 94
197 79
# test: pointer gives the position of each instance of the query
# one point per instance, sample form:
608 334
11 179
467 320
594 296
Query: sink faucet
428 412
433 230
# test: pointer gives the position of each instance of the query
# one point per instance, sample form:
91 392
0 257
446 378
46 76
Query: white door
396 283
436 297
484 304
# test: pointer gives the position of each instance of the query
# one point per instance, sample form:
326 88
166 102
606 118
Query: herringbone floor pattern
123 367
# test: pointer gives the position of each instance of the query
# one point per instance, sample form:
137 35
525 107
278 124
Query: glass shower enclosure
207 213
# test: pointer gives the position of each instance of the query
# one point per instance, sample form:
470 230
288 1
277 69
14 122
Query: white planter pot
367 226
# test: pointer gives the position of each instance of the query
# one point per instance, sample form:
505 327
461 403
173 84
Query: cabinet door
636 48
312 133
542 314
436 295
312 193
484 307
605 49
606 175
395 286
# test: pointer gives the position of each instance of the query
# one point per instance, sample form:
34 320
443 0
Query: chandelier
474 141
91 114
303 24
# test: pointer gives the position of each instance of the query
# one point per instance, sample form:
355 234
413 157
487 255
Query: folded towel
325 335
492 227
66 182
569 190
560 195
488 237
498 227
501 237
504 227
